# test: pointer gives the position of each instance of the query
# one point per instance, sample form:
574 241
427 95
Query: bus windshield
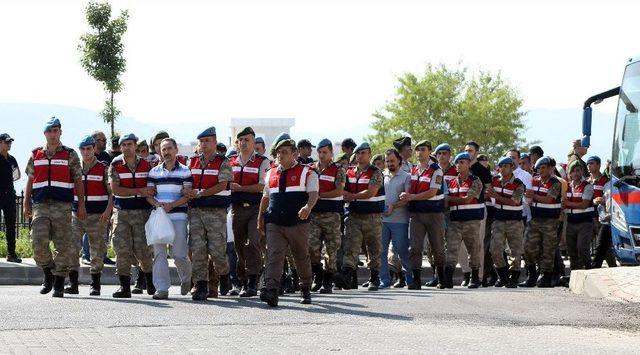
625 158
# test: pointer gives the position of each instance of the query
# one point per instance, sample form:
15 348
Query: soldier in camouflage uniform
128 179
99 206
364 190
542 241
53 172
208 215
325 218
507 227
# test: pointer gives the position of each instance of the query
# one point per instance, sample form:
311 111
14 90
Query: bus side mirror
586 127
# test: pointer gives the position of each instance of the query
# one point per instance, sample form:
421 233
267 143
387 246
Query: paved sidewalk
619 284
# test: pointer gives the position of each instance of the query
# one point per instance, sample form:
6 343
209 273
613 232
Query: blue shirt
169 185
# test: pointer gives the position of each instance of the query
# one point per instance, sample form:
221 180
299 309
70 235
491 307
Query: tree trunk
113 118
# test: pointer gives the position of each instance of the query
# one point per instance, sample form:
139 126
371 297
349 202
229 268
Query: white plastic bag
159 228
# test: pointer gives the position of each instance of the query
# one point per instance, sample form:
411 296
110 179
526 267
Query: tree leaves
450 105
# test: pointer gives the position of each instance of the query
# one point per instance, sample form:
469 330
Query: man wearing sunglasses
54 172
9 172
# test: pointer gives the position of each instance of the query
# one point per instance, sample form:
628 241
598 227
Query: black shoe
374 280
441 278
47 284
250 290
544 281
12 258
448 276
564 281
354 279
58 286
434 281
225 284
85 261
514 276
317 277
402 282
365 284
72 289
493 277
466 279
95 285
202 290
343 279
141 283
416 283
327 283
270 296
475 279
125 288
306 295
148 282
108 261
503 276
531 277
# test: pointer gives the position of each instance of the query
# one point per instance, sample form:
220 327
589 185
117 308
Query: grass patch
23 245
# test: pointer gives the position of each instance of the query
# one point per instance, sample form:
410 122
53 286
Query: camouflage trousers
52 222
130 241
208 238
95 231
509 233
542 242
460 232
359 228
325 229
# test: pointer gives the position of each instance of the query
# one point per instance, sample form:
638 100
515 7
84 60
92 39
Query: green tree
103 53
450 105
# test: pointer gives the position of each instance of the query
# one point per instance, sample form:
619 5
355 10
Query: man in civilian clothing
9 172
290 192
169 179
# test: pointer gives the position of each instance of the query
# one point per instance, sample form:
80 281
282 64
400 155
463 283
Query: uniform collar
513 177
295 163
364 169
87 167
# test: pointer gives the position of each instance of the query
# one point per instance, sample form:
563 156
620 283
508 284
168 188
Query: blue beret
325 143
128 137
52 122
443 146
524 156
280 137
86 140
505 161
259 140
594 158
231 152
543 161
462 156
362 146
209 132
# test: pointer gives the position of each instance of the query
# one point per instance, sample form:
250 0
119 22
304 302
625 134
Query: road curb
620 284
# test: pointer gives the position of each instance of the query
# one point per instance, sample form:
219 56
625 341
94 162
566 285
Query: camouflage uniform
543 232
52 221
325 228
464 232
361 227
129 236
509 232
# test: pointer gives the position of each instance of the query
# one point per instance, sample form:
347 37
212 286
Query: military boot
141 283
201 292
317 277
531 277
466 279
250 290
343 279
503 276
148 282
374 280
225 284
94 287
327 283
72 289
448 276
493 277
475 279
270 296
125 288
544 281
402 282
441 278
47 284
306 295
58 286
513 279
434 281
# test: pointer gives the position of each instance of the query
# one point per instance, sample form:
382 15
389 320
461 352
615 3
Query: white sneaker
161 295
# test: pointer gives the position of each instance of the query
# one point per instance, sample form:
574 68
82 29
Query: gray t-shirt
393 186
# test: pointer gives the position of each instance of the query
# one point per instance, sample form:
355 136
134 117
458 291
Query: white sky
325 62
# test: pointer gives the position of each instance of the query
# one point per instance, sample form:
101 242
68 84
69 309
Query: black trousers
8 207
603 247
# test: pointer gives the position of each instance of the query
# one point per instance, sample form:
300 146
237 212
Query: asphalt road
428 321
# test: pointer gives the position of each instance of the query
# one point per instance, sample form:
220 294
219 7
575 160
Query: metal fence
21 221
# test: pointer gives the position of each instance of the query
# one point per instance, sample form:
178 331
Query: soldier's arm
264 203
551 196
587 194
340 181
374 185
514 200
225 176
474 192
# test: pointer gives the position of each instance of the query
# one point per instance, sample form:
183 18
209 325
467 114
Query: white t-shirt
527 180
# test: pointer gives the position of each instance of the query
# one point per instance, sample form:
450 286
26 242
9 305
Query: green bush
23 245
